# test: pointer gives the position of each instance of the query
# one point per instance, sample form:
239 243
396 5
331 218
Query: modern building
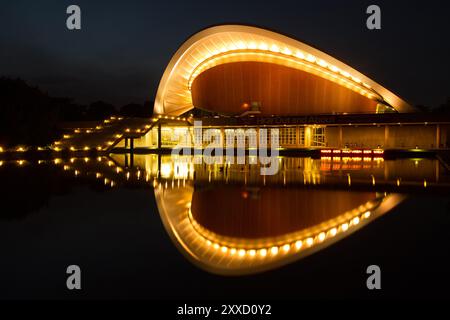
239 77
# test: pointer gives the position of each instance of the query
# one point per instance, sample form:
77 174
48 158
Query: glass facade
251 137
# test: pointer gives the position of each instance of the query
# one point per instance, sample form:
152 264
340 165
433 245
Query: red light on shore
367 151
378 151
325 151
336 151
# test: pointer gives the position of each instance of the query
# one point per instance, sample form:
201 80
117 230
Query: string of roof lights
297 59
253 251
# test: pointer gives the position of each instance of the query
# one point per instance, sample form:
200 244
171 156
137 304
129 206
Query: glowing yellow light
208 242
367 214
57 161
86 148
1 149
72 148
274 250
355 220
252 252
98 175
88 131
98 127
241 253
309 241
72 160
20 162
99 148
127 130
334 68
110 143
216 246
333 232
274 48
233 251
424 183
287 51
57 149
86 160
286 247
77 173
263 46
66 136
310 58
118 170
298 244
20 149
322 63
263 252
322 236
224 249
300 55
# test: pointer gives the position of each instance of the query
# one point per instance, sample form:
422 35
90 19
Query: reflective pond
153 226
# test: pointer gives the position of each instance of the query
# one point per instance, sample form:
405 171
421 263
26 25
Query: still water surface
157 227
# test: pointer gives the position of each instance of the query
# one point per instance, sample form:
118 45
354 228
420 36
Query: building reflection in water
228 219
235 230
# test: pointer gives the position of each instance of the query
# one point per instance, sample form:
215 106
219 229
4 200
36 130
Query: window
318 137
288 136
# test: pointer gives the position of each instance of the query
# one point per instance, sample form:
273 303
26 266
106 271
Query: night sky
124 46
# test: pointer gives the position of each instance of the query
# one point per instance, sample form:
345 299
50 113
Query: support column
386 136
159 166
437 165
438 136
308 133
159 136
222 138
131 152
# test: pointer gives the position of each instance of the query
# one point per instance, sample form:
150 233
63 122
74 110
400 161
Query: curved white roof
230 43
